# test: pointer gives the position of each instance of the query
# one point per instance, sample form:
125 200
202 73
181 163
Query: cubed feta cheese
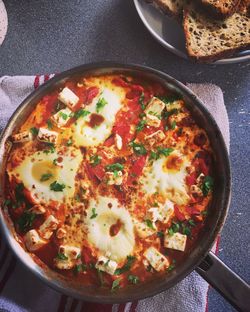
106 265
62 117
61 233
64 264
196 191
158 261
153 112
48 136
118 141
142 229
155 137
21 137
113 178
48 226
175 105
68 97
71 252
163 212
177 241
33 241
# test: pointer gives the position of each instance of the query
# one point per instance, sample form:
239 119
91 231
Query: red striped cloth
20 290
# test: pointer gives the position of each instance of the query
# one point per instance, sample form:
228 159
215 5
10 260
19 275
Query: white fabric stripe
127 307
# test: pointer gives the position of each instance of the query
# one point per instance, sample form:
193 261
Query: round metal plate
170 33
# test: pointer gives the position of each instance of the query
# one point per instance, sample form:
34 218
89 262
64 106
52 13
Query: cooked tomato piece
179 215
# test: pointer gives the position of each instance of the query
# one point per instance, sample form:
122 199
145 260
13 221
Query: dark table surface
51 36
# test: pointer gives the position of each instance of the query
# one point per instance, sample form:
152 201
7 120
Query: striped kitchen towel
20 290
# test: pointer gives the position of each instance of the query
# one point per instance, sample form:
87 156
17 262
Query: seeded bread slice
220 8
208 40
172 8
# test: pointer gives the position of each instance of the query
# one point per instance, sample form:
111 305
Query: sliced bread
172 8
220 8
208 40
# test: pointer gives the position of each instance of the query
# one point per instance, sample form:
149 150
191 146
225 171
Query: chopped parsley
138 148
173 125
160 234
61 256
115 167
80 268
95 160
191 222
170 99
34 131
51 149
94 214
141 101
155 114
49 124
160 151
171 267
133 279
182 227
126 267
140 125
149 223
207 185
57 187
26 220
81 113
100 104
69 142
7 202
175 227
46 177
166 113
115 285
63 115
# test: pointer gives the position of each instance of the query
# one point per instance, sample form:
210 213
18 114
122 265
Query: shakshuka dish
109 180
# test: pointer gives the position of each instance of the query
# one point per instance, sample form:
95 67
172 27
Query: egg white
34 166
169 183
116 247
83 134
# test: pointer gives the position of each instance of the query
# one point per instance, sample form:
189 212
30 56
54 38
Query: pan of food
115 182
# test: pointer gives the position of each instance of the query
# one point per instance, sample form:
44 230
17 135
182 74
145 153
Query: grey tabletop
51 36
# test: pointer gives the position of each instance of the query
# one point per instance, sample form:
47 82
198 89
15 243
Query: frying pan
231 286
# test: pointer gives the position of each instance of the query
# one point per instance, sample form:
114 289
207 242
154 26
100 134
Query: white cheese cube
163 212
21 137
113 178
62 117
155 137
38 209
33 241
106 265
61 233
177 241
157 260
68 97
153 112
175 105
45 135
118 141
196 191
71 252
48 226
142 229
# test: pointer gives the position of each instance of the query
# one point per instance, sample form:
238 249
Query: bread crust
218 11
207 58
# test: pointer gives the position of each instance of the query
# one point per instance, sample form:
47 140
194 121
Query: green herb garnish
149 224
100 104
170 99
207 185
63 115
34 131
126 267
49 124
115 285
141 101
81 113
140 125
46 177
173 125
51 149
57 187
69 142
115 167
61 256
94 214
160 151
160 234
26 221
133 279
139 149
95 160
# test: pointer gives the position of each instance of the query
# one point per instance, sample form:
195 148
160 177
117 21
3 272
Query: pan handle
233 288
